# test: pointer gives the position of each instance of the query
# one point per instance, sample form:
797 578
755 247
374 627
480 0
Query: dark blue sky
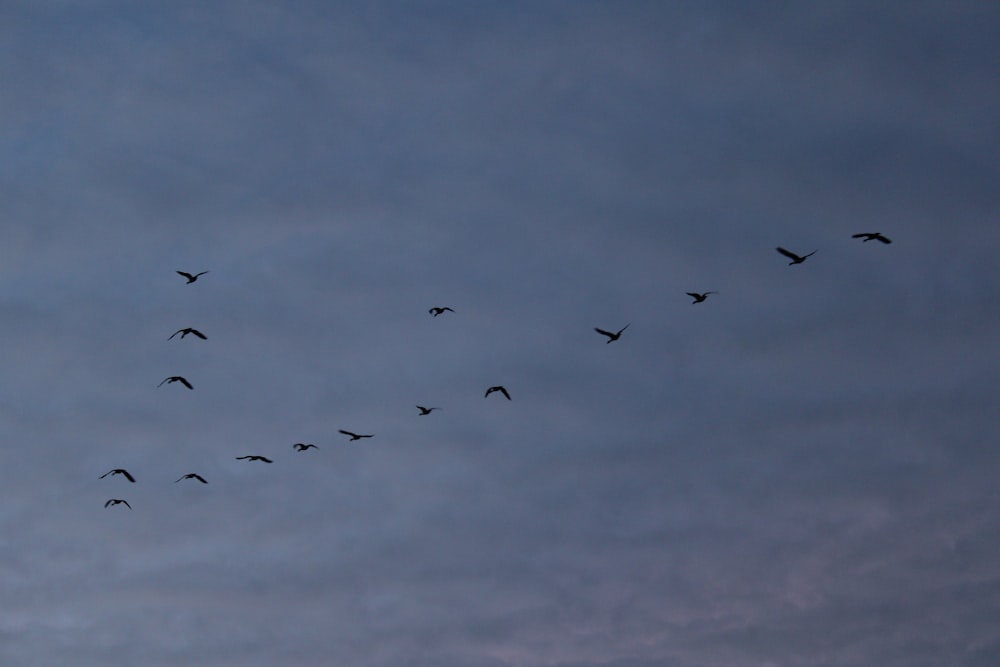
799 471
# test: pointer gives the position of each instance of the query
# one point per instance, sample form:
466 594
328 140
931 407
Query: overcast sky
801 470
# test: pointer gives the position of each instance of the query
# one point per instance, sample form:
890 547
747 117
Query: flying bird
301 446
191 278
871 236
254 458
356 436
796 259
192 475
119 471
499 388
612 337
426 411
176 378
698 297
437 311
188 330
117 501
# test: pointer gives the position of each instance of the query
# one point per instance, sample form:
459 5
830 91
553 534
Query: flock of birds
612 336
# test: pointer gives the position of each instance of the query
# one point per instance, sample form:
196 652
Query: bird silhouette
192 475
356 436
612 337
176 378
698 297
301 446
499 388
437 311
117 501
254 458
188 330
191 278
796 259
871 236
119 471
426 411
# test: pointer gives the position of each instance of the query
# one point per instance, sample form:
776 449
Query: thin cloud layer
799 470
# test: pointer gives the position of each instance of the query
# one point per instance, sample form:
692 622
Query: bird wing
107 503
787 253
200 274
200 479
860 236
184 382
199 334
622 329
264 459
353 435
105 474
504 392
883 239
180 478
165 380
175 333
606 333
125 502
128 476
186 275
693 295
240 458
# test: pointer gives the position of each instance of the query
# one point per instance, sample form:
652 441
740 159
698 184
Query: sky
801 470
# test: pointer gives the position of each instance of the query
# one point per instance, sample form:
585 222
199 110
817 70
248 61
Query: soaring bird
301 446
119 471
796 259
254 458
499 388
188 330
356 436
698 297
176 378
871 236
426 411
435 311
192 475
117 501
191 278
612 337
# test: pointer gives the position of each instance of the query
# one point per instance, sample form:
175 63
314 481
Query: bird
356 436
698 298
871 236
435 311
119 471
191 278
612 337
301 446
188 330
192 475
426 411
796 259
117 501
176 378
500 388
254 458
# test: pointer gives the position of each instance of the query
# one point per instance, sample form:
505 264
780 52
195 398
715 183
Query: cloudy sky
801 471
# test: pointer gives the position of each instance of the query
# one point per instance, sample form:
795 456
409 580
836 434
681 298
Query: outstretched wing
787 253
504 392
353 435
186 275
184 382
264 459
606 333
623 329
105 474
128 476
883 239
199 478
199 334
175 333
125 502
